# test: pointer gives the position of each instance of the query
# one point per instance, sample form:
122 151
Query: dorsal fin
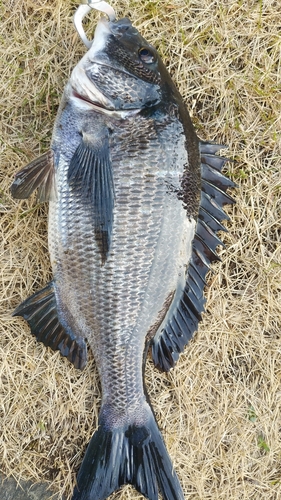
181 325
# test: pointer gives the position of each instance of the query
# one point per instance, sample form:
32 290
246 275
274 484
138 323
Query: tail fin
130 455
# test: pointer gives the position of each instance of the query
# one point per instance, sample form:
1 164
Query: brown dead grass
220 407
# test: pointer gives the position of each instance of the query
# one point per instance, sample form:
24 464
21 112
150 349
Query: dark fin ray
200 262
216 193
37 174
193 284
208 235
194 304
204 250
216 162
163 351
210 220
179 327
133 455
40 311
214 177
174 337
210 205
211 148
90 176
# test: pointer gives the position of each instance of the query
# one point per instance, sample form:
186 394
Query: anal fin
40 311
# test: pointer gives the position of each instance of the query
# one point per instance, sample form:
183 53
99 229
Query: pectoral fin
40 311
90 177
39 174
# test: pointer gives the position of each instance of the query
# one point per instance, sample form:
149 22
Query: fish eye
146 55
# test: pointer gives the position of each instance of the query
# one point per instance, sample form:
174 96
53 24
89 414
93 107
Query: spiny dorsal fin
37 174
90 177
180 328
40 311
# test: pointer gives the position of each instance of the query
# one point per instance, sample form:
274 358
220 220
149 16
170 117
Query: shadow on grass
10 489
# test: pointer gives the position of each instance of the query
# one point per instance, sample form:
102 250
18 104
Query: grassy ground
220 407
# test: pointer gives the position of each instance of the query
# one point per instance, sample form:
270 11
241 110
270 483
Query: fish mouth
87 104
87 100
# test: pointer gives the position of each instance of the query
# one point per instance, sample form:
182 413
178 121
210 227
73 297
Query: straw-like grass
220 407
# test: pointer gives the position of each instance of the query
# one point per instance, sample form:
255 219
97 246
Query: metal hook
84 9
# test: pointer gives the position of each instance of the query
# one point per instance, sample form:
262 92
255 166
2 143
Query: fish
135 204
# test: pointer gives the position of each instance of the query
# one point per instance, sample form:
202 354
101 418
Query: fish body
132 230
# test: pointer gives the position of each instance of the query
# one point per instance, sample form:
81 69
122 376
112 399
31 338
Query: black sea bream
135 204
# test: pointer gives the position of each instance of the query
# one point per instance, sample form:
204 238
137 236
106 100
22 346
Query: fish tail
133 454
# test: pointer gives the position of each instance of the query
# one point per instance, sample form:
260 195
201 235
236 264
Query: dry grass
220 407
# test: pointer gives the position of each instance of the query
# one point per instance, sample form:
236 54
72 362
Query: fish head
121 71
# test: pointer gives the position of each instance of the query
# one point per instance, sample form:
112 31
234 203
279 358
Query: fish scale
121 315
